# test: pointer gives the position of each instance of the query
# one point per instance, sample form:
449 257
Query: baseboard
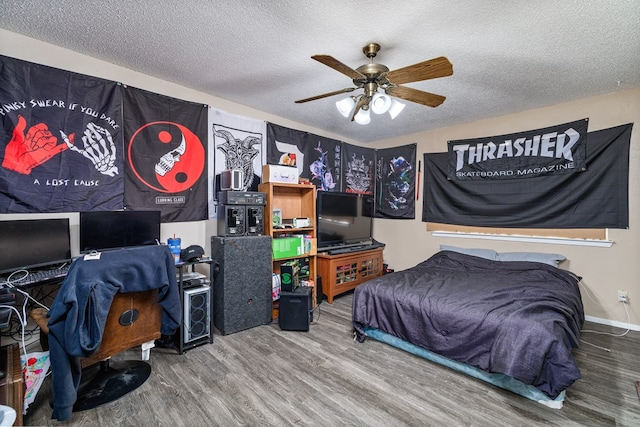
612 323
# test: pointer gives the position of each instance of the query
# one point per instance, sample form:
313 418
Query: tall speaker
242 282
196 313
295 310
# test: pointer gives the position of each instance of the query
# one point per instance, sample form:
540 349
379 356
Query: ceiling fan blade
330 61
415 95
431 69
325 95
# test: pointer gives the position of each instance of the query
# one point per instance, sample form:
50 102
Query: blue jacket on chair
79 312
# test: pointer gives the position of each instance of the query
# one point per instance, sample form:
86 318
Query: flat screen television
103 230
33 243
343 219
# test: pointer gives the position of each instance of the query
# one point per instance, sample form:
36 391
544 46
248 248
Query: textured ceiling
507 56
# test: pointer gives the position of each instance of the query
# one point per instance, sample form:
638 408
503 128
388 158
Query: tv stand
343 272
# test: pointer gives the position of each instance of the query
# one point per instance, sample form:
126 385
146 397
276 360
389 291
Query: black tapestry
166 142
317 158
323 169
61 146
286 146
596 198
396 182
358 169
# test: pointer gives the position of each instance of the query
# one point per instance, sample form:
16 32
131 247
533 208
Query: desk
12 385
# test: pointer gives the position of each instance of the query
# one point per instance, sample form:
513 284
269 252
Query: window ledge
527 239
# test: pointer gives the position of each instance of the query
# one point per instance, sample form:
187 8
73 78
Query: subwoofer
295 310
242 282
196 313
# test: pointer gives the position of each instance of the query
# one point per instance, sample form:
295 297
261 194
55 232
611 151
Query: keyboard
38 276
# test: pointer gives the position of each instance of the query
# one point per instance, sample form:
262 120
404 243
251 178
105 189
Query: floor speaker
242 282
196 313
295 309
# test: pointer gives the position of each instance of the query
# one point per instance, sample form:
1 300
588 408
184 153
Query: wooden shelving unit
294 201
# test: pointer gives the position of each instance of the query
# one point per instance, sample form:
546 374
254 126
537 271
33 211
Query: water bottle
174 247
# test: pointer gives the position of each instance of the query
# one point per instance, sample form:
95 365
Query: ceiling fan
372 77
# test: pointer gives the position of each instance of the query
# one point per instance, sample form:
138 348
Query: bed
511 323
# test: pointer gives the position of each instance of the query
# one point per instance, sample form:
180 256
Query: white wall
604 270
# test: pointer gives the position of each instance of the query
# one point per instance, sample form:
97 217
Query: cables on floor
626 309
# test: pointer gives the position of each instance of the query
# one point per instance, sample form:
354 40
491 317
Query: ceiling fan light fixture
382 86
345 106
380 103
363 117
395 108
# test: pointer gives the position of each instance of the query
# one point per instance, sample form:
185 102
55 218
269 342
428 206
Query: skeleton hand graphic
101 151
25 152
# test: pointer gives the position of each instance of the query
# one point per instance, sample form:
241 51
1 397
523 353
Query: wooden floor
268 377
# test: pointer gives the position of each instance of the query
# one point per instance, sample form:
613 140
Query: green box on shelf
284 247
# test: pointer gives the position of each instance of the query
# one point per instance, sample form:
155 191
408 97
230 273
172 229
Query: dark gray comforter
516 318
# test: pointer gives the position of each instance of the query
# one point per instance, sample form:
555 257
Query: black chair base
106 382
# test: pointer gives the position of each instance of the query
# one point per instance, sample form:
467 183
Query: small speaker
196 313
254 216
231 220
295 310
231 179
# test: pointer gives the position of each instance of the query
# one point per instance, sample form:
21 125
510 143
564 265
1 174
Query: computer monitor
103 230
31 243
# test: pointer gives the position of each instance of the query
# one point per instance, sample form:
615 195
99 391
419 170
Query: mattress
520 319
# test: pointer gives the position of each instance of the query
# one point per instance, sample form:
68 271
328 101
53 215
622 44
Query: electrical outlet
623 296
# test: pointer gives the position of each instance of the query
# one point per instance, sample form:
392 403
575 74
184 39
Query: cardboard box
290 276
280 173
285 247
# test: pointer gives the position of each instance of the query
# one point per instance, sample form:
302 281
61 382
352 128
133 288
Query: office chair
134 319
96 314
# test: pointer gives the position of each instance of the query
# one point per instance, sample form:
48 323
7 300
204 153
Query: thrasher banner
396 182
166 143
358 168
61 146
554 150
317 158
596 198
236 143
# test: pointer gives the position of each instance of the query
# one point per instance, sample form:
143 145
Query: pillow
482 253
550 259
